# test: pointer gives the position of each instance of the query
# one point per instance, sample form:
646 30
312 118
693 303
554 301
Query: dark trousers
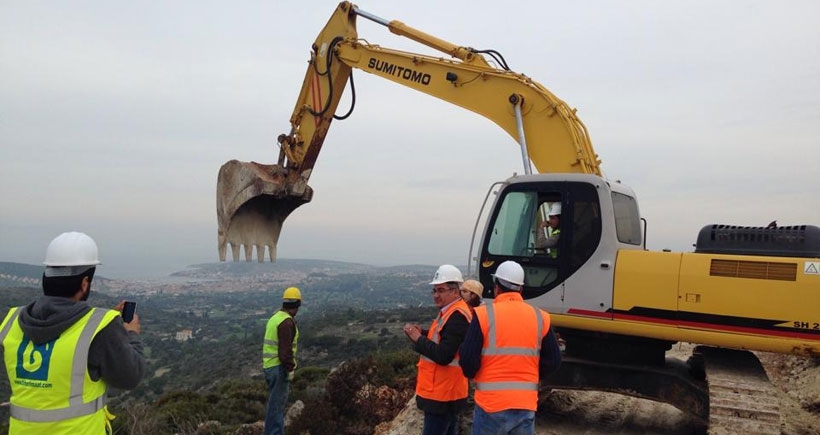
440 424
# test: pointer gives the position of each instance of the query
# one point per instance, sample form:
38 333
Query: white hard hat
72 249
447 273
511 272
555 209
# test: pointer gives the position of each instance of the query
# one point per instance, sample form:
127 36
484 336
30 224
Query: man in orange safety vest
441 388
508 349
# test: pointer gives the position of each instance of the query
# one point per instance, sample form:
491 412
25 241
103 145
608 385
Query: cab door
512 233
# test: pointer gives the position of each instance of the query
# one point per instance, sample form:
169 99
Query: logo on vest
33 360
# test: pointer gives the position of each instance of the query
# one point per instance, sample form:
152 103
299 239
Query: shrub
319 417
182 411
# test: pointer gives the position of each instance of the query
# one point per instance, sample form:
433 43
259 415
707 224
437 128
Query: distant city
332 282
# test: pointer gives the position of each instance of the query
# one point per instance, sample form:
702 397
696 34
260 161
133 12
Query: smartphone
128 311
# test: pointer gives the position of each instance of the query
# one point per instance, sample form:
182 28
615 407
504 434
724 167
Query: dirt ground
796 379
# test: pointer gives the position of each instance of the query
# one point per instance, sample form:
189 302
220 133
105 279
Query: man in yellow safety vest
61 354
279 359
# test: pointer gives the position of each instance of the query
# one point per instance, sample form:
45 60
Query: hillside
30 275
244 269
329 284
20 275
256 270
206 344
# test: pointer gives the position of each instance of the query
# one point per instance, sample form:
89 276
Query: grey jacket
116 355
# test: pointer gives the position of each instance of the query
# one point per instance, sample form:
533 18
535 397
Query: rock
408 422
210 426
293 412
257 428
385 402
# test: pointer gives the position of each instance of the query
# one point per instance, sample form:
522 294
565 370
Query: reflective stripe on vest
508 374
270 345
493 349
443 383
52 415
10 318
79 384
434 334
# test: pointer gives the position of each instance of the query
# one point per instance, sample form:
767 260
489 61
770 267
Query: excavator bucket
252 202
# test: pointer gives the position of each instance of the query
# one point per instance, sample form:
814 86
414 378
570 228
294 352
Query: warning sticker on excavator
812 268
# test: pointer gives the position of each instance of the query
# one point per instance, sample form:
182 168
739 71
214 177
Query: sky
115 117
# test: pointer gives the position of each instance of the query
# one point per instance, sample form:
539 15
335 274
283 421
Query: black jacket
452 334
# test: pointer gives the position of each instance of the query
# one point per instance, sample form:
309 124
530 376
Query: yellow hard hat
292 294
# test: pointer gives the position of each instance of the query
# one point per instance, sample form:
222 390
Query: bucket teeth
262 251
235 252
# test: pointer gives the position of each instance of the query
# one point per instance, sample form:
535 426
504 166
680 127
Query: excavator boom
254 199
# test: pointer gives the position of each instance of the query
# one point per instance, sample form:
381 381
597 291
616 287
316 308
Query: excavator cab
512 229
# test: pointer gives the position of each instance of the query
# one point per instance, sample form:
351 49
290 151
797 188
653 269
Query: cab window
627 220
512 233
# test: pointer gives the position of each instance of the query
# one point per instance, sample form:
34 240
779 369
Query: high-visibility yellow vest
553 252
508 375
270 347
51 390
437 382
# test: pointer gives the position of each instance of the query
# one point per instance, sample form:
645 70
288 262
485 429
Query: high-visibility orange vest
438 382
508 376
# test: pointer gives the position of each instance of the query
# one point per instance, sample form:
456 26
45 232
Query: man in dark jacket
441 388
46 341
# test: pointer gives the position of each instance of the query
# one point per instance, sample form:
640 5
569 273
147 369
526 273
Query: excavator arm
254 199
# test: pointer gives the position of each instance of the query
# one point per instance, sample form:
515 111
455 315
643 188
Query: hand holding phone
128 311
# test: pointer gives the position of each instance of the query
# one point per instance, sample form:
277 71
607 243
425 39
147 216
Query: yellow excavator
617 306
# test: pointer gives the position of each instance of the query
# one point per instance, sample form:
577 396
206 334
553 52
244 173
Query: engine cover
789 241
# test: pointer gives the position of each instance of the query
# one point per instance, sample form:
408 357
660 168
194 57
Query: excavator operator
549 231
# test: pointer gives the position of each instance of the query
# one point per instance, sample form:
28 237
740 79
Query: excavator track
741 398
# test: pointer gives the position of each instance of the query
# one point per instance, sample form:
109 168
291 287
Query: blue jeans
507 422
440 424
277 379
